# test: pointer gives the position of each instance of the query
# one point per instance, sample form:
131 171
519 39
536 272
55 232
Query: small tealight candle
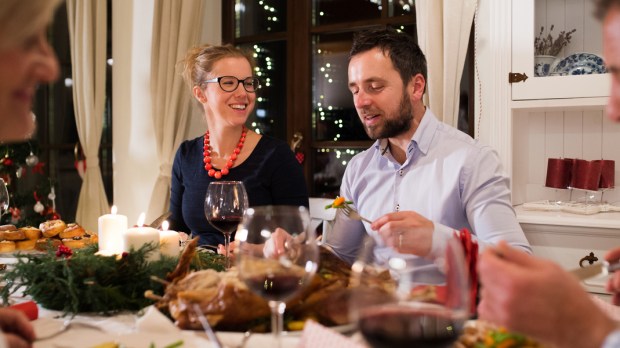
169 241
111 229
136 237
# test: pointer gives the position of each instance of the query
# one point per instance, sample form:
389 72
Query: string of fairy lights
330 73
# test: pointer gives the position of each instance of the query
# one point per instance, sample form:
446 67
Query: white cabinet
572 240
528 16
547 117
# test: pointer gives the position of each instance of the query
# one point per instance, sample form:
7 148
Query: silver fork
353 214
244 340
68 324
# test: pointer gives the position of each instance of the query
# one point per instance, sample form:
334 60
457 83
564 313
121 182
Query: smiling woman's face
23 66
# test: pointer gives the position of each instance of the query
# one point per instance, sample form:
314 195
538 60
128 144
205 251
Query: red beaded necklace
231 160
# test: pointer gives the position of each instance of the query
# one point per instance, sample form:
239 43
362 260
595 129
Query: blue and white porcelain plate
580 64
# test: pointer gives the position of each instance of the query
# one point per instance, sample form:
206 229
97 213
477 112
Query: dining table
151 328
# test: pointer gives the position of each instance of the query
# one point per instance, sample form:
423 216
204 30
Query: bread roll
72 230
8 228
52 228
43 244
13 235
7 246
26 244
74 243
91 237
31 232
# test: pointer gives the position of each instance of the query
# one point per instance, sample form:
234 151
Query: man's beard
394 126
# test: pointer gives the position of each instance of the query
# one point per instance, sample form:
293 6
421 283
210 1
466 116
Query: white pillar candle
169 241
136 237
111 229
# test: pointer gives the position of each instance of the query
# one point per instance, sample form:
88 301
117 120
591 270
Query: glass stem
277 313
227 248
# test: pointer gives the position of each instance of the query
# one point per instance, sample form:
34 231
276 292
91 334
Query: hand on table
538 298
406 232
274 246
18 332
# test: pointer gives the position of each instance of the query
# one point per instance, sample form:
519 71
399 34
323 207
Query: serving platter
580 64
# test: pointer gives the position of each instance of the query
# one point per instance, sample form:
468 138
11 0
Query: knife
157 222
601 268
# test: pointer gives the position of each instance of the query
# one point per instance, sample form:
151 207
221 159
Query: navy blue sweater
271 175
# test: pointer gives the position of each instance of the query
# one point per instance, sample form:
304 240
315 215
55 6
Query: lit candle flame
165 225
141 219
113 210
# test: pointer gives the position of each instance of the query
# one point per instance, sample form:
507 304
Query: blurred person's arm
538 298
16 328
613 285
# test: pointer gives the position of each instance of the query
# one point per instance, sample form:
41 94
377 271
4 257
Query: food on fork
52 228
338 203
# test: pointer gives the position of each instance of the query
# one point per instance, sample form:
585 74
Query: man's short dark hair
602 6
404 52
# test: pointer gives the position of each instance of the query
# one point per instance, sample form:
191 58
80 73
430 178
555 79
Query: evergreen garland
85 282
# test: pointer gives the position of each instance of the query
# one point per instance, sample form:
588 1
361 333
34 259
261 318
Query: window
56 137
302 51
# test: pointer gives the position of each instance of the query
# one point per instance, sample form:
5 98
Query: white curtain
443 28
87 30
176 27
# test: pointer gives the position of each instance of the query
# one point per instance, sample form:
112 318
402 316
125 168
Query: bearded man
421 180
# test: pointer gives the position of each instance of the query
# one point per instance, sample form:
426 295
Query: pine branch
86 282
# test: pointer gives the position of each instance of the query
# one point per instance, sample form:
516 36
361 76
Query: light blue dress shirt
448 177
612 340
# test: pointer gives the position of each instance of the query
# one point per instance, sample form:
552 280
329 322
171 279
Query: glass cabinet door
558 45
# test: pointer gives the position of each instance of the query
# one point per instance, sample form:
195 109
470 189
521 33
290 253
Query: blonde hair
20 19
199 61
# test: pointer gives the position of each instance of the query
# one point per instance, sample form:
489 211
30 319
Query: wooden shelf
607 220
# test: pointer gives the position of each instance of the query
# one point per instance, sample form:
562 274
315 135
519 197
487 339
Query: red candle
586 174
558 172
608 174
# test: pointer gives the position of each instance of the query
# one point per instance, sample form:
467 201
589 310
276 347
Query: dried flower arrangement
550 46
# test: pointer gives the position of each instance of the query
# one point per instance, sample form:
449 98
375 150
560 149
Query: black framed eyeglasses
230 83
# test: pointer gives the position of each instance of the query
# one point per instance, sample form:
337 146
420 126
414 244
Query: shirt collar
423 136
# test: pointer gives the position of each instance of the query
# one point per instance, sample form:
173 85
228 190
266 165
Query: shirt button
400 172
397 207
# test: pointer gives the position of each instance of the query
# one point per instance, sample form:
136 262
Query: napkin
154 321
317 335
29 308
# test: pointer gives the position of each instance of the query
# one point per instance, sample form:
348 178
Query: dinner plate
580 64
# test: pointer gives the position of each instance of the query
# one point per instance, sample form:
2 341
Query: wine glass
4 198
425 305
225 203
278 256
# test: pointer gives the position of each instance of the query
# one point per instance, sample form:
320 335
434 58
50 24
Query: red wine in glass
225 224
275 287
225 203
400 325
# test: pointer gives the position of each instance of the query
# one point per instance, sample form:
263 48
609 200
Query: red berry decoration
63 251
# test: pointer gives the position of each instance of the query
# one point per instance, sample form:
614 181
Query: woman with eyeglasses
221 79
